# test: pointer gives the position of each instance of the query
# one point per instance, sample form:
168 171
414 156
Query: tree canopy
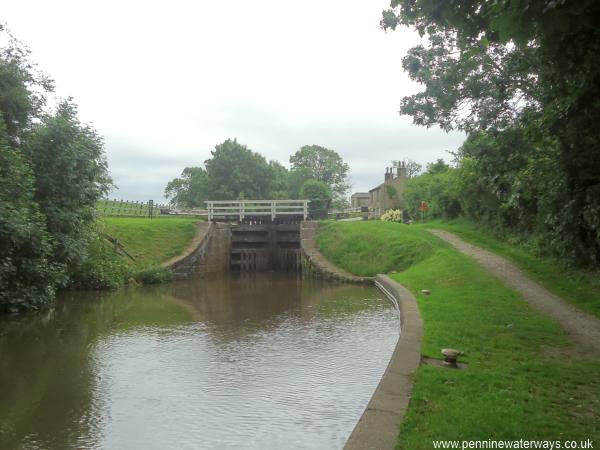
191 190
413 168
320 195
27 271
532 66
235 172
321 164
52 172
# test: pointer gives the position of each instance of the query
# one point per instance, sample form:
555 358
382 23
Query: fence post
150 208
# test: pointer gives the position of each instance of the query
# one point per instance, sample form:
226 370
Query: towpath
581 327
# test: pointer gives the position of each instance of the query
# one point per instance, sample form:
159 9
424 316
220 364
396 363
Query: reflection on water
267 361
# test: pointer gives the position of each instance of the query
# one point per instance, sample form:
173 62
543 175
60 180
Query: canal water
263 361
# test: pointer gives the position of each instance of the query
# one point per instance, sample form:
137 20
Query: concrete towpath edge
379 425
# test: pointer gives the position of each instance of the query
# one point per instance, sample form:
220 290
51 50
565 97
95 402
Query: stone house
360 199
389 194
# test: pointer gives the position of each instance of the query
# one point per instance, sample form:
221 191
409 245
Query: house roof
360 194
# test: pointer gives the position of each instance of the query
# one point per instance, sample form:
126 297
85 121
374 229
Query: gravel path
581 327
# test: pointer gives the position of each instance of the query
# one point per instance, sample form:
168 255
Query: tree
532 65
439 189
280 185
189 191
508 189
322 164
52 172
320 195
23 88
235 172
27 272
437 167
413 168
71 175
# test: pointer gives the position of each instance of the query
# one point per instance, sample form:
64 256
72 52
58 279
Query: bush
392 215
154 275
70 176
27 274
52 172
101 267
440 190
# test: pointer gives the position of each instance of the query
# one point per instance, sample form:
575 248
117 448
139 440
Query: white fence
344 211
257 208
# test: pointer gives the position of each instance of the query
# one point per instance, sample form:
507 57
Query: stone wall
208 253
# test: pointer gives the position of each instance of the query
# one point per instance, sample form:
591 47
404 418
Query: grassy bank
522 381
373 247
582 288
150 241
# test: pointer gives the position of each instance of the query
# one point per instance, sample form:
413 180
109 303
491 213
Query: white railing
344 211
252 208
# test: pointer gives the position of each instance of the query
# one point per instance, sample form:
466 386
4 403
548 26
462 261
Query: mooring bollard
450 356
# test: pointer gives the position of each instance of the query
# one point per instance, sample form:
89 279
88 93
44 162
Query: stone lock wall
208 253
221 247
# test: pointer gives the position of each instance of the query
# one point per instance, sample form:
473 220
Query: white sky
164 82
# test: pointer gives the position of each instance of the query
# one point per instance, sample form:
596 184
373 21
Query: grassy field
150 241
576 286
523 381
126 208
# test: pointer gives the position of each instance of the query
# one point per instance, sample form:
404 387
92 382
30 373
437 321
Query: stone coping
379 425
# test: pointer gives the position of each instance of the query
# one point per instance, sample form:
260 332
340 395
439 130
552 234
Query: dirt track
581 327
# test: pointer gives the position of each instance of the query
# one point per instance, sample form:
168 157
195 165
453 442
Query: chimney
388 174
402 170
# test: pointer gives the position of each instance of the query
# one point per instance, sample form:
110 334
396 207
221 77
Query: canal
261 361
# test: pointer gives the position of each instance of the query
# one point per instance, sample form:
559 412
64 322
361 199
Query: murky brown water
256 362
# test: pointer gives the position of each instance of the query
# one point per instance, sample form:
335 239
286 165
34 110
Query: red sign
424 206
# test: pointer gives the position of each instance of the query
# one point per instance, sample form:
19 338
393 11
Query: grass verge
579 287
373 247
523 382
150 241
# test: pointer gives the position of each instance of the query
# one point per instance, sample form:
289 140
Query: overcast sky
164 82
